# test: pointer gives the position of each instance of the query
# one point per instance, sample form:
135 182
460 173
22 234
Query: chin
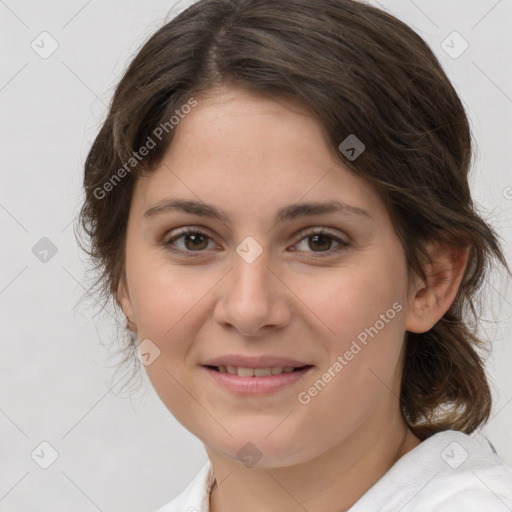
262 452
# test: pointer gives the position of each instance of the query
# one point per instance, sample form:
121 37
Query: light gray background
55 382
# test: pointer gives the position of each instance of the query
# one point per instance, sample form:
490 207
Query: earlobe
430 300
123 299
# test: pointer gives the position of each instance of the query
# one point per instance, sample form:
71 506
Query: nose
253 298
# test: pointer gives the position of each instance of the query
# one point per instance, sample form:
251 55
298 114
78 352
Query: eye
194 240
322 240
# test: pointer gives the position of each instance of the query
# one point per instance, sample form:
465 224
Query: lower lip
256 385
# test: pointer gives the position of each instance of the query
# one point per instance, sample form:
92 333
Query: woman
278 201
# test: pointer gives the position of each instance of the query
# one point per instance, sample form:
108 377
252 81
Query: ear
430 300
123 299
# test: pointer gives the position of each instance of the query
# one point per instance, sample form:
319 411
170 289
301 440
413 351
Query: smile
255 381
255 372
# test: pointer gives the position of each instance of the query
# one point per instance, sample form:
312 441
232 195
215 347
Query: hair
360 71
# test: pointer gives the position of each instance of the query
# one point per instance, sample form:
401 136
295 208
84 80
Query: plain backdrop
56 375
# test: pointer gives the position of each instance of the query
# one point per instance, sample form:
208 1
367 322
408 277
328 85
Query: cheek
165 296
347 300
171 304
366 312
361 311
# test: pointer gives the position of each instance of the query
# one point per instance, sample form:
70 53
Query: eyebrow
286 213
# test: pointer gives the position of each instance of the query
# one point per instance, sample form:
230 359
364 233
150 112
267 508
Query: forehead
250 151
236 124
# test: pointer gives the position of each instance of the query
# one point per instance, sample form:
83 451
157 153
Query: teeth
245 372
262 372
255 372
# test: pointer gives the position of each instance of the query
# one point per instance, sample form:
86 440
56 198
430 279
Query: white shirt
448 472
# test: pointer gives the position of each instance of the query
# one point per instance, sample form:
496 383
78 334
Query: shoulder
472 478
196 496
448 471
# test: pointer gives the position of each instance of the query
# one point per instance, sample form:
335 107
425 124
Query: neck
333 481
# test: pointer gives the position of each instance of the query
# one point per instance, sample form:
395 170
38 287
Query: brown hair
360 71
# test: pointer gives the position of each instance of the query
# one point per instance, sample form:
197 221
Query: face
309 286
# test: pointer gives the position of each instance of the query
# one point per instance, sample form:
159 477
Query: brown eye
192 241
321 241
195 241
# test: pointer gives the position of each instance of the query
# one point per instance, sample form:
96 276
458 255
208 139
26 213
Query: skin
249 156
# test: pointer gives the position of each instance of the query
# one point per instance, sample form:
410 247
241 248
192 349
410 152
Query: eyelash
305 234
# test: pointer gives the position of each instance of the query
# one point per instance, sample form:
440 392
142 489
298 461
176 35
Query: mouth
241 371
246 382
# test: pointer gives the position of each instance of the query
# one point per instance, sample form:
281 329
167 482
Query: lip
253 386
262 361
